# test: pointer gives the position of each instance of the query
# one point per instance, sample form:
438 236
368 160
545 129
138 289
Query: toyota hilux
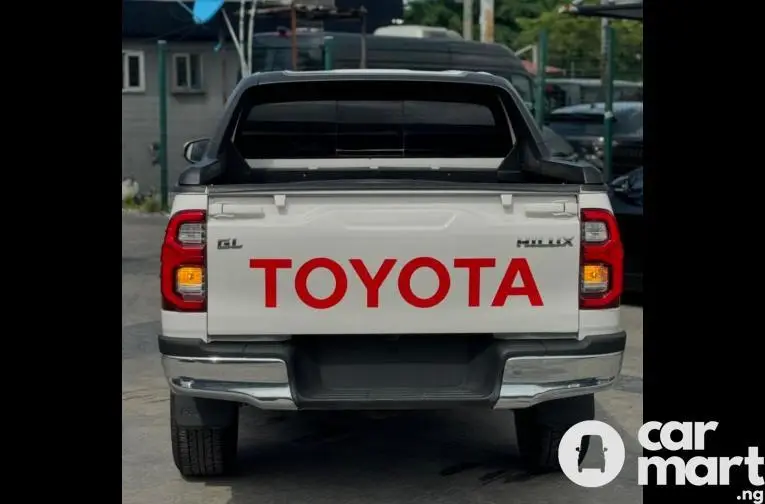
385 240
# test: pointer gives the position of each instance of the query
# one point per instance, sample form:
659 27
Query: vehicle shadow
380 457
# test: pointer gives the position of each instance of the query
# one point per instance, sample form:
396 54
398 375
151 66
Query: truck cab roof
286 76
316 115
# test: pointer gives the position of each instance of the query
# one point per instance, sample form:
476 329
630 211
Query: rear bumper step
403 373
262 383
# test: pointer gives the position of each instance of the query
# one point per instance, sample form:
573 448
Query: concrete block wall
189 116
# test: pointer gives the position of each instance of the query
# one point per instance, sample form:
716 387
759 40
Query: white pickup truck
376 240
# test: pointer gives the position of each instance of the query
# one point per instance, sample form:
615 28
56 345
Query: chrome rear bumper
265 383
530 380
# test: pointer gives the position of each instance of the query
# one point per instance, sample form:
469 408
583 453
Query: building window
187 72
133 71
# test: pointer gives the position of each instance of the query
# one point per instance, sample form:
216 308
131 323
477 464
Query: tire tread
541 428
204 451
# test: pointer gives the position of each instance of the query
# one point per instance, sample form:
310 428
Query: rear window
628 93
561 95
577 125
362 119
625 123
266 59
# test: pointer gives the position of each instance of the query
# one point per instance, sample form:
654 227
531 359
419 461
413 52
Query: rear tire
204 451
540 428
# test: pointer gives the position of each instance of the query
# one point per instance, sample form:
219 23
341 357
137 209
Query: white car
372 240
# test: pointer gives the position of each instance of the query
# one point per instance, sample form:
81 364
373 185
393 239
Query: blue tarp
205 10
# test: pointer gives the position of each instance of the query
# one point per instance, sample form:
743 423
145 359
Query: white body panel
402 226
194 325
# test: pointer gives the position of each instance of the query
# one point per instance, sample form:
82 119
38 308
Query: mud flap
195 412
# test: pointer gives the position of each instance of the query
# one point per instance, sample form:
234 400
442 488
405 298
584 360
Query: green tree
448 13
574 43
444 13
507 13
629 49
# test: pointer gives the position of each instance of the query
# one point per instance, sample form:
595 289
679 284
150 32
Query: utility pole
607 89
162 84
604 24
540 63
486 21
608 116
467 19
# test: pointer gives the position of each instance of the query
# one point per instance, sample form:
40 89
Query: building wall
193 116
189 116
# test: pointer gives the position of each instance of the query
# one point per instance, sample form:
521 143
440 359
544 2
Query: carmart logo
604 443
609 454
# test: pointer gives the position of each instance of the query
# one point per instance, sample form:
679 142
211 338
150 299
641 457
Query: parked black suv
582 126
626 193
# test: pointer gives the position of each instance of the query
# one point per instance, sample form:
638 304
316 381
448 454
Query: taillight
602 258
182 273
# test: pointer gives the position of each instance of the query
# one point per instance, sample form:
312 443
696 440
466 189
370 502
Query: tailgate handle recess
554 209
232 211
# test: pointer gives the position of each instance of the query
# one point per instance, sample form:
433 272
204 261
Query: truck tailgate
392 263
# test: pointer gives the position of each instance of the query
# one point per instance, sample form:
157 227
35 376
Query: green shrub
129 203
148 204
151 205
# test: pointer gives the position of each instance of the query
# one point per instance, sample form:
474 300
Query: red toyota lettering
517 270
474 265
518 267
301 283
270 267
405 279
372 283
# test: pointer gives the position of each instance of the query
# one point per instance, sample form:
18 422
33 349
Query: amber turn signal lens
594 278
190 279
